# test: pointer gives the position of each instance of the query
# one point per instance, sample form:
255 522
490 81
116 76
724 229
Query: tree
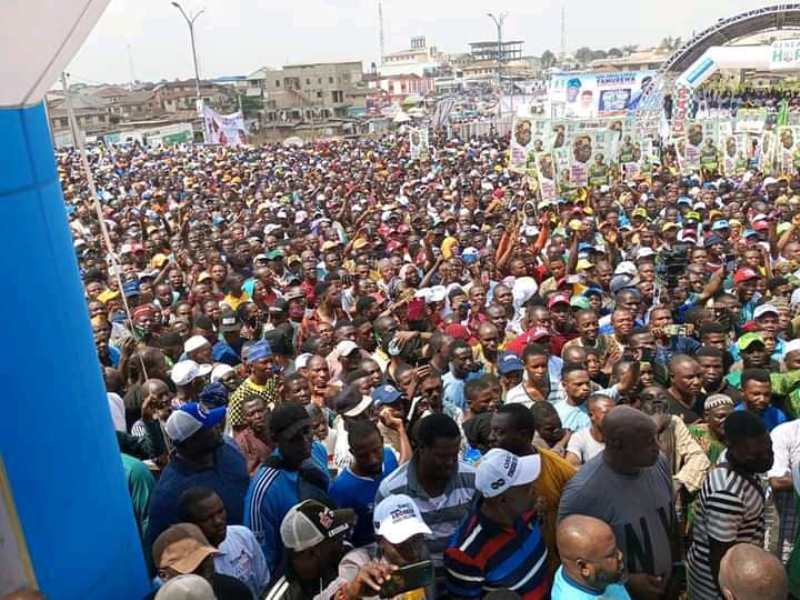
548 59
666 43
597 54
583 55
630 49
614 53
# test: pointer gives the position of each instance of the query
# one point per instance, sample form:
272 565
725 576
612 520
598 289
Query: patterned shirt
245 392
485 556
730 510
442 513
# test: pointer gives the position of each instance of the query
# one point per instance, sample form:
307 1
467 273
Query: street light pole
498 21
190 19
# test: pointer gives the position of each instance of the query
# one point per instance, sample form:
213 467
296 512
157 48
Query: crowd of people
339 372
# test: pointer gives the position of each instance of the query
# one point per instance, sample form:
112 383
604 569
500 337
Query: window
277 83
308 81
319 80
319 94
330 79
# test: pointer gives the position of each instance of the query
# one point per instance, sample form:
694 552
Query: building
420 60
488 50
176 96
309 92
399 87
93 114
642 60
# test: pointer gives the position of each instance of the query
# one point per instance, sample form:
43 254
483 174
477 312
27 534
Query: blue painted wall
56 436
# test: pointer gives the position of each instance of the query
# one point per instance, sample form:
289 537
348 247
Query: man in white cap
189 380
500 543
313 536
399 540
198 349
200 458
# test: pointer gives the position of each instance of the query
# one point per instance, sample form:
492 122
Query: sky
236 37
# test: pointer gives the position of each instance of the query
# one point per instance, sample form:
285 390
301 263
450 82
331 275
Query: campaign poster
592 95
546 169
751 120
588 155
767 152
788 150
528 137
224 130
420 147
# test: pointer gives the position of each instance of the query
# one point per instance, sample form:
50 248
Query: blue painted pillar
56 436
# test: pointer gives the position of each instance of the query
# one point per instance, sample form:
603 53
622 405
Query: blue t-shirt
566 588
354 491
771 417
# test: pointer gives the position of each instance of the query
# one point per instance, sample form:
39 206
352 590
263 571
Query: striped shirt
442 513
730 510
485 556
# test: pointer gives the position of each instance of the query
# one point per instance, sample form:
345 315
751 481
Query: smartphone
411 577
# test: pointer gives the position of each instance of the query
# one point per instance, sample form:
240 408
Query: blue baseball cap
191 418
385 394
509 363
721 224
593 291
130 288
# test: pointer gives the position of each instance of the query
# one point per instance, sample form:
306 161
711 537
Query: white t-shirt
584 446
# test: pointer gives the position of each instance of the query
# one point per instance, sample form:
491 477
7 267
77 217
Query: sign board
592 95
784 55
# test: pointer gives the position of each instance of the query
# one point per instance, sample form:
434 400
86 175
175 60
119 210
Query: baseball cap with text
500 470
191 418
310 523
397 518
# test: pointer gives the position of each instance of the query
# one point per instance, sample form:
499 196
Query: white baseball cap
397 518
220 371
765 309
791 346
345 347
500 470
186 587
366 402
195 343
186 371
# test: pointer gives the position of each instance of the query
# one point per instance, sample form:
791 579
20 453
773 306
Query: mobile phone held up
411 577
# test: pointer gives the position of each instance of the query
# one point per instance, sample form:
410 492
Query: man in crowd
200 458
500 543
238 553
592 563
440 484
731 502
630 466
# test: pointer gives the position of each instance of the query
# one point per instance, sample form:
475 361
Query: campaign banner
420 147
766 151
680 112
751 120
588 143
788 150
528 137
224 130
546 170
590 95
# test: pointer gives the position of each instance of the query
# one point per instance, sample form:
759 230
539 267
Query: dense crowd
339 372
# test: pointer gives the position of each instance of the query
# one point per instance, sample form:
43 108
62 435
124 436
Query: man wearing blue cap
510 369
200 458
262 382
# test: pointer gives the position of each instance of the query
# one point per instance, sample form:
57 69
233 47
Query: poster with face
787 150
767 152
546 168
419 143
521 142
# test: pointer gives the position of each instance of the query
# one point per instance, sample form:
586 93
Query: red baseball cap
744 274
538 333
557 299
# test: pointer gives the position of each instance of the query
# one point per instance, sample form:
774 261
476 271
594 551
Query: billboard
592 95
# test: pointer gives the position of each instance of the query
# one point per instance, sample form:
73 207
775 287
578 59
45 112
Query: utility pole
563 32
130 67
380 25
498 21
190 19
